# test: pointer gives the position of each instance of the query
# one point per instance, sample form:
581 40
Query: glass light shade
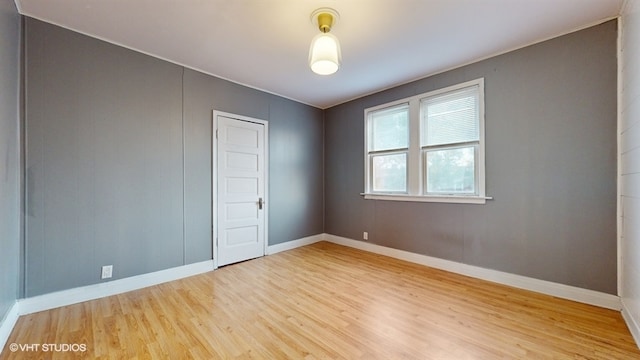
324 54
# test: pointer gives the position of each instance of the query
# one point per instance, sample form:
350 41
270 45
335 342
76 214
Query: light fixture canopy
324 53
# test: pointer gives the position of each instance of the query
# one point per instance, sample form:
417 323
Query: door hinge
216 133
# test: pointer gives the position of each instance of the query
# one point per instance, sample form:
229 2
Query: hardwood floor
325 301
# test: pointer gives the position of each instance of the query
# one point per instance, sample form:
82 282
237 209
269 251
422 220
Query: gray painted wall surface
9 156
550 162
295 159
104 167
119 160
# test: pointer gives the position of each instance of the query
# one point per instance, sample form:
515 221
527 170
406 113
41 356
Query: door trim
214 179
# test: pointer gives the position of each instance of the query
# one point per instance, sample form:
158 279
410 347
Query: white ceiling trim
263 45
595 23
162 58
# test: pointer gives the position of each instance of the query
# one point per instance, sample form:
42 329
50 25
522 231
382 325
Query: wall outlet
107 271
365 235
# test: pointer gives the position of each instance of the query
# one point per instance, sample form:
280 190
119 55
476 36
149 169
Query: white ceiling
264 44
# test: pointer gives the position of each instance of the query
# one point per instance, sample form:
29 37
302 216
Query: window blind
451 118
390 128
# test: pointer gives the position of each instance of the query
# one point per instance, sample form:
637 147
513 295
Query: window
428 147
450 141
389 134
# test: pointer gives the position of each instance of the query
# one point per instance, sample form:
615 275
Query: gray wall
119 160
550 163
9 156
295 158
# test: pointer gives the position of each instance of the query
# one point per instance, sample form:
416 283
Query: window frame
416 157
371 154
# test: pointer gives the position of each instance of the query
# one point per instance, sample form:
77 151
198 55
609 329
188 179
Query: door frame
214 178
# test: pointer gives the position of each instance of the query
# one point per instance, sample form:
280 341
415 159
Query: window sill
439 199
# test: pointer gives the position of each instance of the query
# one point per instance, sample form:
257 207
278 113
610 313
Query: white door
240 190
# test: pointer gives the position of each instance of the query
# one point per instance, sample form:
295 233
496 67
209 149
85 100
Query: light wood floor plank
325 301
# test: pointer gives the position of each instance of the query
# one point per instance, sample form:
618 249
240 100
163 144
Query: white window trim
415 171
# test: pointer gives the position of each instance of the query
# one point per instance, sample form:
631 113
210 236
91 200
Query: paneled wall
550 163
119 160
9 156
295 151
630 164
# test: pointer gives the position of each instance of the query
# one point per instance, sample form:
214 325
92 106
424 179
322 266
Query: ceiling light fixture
324 53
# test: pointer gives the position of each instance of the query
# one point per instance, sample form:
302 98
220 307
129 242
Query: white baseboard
7 324
586 296
96 291
632 322
91 292
289 245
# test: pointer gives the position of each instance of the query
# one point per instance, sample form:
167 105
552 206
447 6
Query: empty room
286 179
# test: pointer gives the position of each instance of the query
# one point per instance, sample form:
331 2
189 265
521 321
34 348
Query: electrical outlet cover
107 271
